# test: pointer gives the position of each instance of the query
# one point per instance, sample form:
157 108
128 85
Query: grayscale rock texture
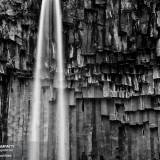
112 71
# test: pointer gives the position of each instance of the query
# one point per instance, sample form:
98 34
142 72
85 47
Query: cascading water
34 145
61 103
34 140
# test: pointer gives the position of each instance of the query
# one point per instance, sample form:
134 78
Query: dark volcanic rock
112 78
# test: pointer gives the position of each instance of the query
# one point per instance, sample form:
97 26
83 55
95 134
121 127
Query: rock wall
112 66
112 78
18 34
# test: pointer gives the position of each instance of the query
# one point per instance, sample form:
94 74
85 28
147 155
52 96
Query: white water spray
34 147
61 103
34 139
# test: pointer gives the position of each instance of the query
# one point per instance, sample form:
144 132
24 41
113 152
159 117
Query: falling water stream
61 146
61 103
34 143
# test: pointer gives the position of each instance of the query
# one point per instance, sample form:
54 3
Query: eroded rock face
112 78
18 36
112 68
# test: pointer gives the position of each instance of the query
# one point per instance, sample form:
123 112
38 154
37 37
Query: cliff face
112 78
113 69
18 34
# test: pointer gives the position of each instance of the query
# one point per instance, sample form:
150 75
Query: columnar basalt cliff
112 69
112 78
18 34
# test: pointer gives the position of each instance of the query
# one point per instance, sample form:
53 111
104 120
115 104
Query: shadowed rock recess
112 72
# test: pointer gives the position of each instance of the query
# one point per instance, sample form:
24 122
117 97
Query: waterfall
61 103
61 127
36 104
